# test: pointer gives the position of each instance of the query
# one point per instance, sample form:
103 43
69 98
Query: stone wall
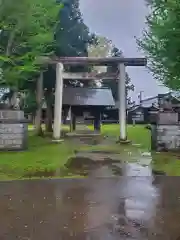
165 134
168 137
167 118
11 115
13 130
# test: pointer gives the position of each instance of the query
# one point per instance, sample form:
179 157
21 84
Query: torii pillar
58 102
122 102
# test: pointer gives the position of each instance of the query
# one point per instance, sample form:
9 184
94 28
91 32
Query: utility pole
140 97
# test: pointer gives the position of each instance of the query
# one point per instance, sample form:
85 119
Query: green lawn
167 162
45 156
137 134
42 156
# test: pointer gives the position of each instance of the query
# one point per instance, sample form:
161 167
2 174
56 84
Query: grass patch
42 156
137 134
167 162
46 157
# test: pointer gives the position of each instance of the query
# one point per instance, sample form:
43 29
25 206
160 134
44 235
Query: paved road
139 207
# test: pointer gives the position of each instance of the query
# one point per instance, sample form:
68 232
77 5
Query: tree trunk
10 42
49 112
13 100
39 96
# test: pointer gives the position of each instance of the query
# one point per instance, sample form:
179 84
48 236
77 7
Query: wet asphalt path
136 207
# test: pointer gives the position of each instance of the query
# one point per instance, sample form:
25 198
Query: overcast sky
121 21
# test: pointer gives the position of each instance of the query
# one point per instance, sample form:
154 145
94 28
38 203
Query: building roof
133 108
79 96
148 102
153 101
127 106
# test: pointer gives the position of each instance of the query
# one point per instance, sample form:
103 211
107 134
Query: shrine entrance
120 75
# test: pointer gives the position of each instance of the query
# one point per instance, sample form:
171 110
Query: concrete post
58 102
70 119
73 122
97 122
122 101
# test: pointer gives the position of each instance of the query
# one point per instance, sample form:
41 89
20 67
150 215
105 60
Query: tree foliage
101 48
27 31
72 38
160 41
105 48
72 35
115 52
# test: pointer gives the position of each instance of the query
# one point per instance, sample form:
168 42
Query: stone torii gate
95 61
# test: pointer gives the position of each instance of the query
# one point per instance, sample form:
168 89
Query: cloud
120 21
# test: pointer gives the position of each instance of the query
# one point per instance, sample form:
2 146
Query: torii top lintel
99 61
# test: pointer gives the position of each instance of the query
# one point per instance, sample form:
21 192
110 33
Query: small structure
142 113
88 103
13 130
136 115
172 99
111 114
165 130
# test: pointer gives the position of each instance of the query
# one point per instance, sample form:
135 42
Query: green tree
105 48
72 35
101 48
27 32
160 41
115 52
72 38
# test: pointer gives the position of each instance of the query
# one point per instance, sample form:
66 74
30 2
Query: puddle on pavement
102 208
101 164
108 209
